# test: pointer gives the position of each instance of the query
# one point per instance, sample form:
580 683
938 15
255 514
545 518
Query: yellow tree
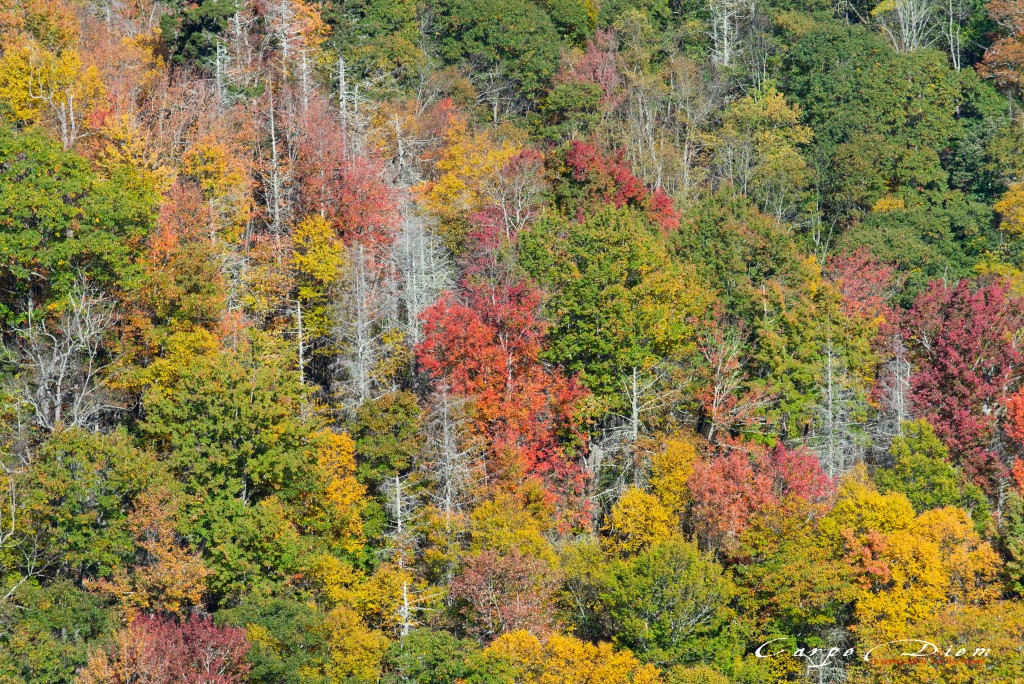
637 522
970 563
360 613
223 175
332 508
318 256
43 85
468 174
910 569
567 660
671 469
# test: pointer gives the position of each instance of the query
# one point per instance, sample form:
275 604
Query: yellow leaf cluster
915 591
467 171
174 578
223 176
970 563
671 469
931 561
36 81
567 660
861 508
889 203
318 256
355 649
1010 208
126 145
353 602
335 458
637 522
502 524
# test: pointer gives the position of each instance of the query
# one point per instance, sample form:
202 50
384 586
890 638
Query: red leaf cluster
488 348
346 189
597 65
965 346
609 179
744 480
503 593
161 650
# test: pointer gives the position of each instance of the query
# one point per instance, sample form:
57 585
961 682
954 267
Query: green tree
389 433
58 220
229 426
47 632
791 583
75 499
515 40
427 656
288 643
192 31
618 301
921 470
377 37
667 603
738 250
902 146
1011 542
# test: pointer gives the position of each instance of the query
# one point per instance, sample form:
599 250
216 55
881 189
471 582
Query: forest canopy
511 341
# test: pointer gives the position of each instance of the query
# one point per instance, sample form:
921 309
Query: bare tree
63 362
908 24
448 460
26 552
401 502
724 31
423 269
494 90
412 603
517 193
361 317
836 439
9 514
277 173
953 14
894 383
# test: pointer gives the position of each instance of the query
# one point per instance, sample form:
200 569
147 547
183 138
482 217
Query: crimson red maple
597 177
967 358
744 479
487 347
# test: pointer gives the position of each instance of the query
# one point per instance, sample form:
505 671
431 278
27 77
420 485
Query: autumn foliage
511 341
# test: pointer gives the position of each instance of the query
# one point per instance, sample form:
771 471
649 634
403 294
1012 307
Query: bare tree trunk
834 438
724 31
63 363
423 270
449 456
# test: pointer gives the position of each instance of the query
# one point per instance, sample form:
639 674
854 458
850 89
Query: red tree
866 285
964 343
160 650
1004 60
743 480
596 177
488 348
347 189
597 65
499 593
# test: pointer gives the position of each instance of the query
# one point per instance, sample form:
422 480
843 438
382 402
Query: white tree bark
62 361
